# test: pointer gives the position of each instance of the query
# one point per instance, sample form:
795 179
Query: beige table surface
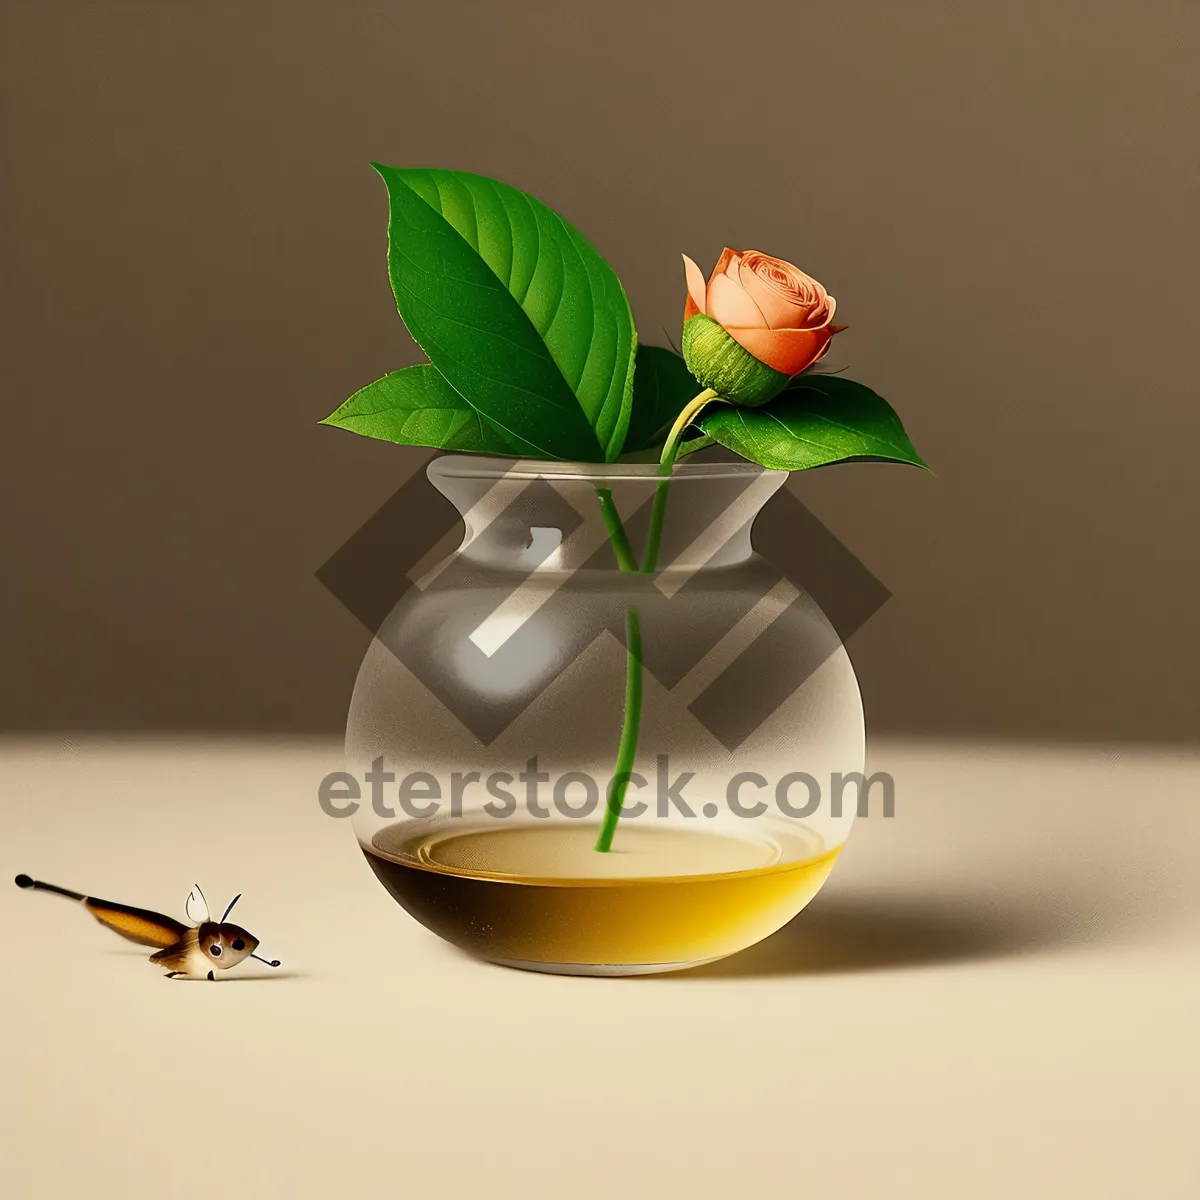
996 995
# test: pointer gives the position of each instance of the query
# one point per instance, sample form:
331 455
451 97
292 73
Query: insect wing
196 906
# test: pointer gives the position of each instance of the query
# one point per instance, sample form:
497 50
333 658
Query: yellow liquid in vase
539 896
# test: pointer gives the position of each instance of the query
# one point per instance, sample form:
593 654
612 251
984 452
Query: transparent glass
499 696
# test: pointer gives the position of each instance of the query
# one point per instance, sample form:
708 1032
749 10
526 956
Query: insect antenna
229 907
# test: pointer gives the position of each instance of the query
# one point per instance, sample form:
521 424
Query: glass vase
508 687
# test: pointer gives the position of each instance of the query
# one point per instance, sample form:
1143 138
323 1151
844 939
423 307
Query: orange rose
779 315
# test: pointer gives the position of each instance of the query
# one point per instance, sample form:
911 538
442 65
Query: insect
185 952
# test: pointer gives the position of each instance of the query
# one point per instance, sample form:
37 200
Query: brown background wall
1003 198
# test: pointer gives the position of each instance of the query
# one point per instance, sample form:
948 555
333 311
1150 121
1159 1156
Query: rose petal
695 287
783 311
831 330
787 351
778 308
727 256
729 305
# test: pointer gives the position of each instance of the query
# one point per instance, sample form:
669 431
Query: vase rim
479 466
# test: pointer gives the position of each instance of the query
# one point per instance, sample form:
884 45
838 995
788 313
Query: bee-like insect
183 952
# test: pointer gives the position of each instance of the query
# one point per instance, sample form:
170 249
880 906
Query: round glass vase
509 685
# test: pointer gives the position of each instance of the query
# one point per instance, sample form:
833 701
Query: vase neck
528 515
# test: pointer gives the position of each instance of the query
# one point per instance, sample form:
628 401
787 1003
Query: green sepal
716 359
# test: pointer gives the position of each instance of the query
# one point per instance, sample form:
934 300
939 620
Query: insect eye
215 951
238 944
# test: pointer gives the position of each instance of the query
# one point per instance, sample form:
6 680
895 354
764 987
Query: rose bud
756 323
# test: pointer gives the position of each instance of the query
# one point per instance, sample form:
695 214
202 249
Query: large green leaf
515 308
819 419
418 407
662 385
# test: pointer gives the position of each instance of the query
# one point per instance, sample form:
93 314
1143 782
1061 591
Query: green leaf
819 419
418 407
694 444
515 308
662 385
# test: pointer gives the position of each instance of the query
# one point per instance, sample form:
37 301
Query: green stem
629 730
666 464
616 531
627 750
